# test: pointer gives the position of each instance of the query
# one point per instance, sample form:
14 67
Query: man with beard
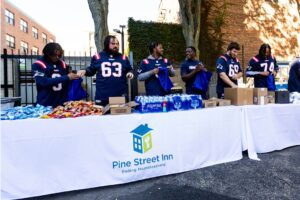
155 71
52 76
112 70
228 69
263 68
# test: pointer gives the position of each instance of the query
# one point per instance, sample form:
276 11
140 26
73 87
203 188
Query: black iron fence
17 79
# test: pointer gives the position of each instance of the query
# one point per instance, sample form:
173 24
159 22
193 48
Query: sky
71 20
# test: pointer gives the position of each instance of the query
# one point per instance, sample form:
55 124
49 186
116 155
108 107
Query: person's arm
187 76
253 69
91 70
221 70
227 80
129 70
40 78
239 74
143 73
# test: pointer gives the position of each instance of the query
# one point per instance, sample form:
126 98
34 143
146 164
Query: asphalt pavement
276 176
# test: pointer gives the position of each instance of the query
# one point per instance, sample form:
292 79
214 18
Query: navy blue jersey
152 84
51 82
294 76
111 72
230 66
258 64
187 67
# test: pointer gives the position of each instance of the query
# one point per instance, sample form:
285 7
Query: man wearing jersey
294 76
112 70
52 76
150 67
228 69
262 67
189 70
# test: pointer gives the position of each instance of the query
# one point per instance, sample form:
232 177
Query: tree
190 11
99 10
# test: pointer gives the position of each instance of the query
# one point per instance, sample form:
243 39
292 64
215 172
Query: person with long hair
52 76
263 67
112 70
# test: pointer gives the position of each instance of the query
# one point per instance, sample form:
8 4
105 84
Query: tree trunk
190 11
99 10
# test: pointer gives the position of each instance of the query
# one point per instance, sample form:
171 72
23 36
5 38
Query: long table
45 156
271 127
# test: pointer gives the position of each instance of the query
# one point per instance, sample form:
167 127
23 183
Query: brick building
21 34
251 23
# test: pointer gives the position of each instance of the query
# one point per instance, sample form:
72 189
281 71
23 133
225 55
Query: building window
35 51
24 26
10 41
44 36
35 33
9 17
24 47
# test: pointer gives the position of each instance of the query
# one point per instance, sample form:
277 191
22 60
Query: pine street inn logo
142 139
142 143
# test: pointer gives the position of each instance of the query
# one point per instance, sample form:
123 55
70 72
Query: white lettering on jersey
106 69
59 86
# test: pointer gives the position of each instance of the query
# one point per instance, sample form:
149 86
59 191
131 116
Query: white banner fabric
271 127
45 156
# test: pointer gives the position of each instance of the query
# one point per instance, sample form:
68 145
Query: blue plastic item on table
24 112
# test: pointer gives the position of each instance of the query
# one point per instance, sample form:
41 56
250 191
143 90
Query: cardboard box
239 96
271 97
118 106
224 102
282 96
260 96
209 103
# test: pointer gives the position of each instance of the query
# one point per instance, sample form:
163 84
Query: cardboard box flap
116 100
132 104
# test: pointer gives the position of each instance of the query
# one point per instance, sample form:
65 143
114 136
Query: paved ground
276 176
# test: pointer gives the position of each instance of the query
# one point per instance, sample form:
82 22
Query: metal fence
17 79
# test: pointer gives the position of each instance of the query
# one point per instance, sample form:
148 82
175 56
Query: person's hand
234 86
234 77
129 75
199 67
73 76
265 73
81 73
155 71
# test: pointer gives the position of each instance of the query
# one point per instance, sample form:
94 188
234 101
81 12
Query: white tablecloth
271 127
44 156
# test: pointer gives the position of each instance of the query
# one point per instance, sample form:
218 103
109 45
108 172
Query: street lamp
122 35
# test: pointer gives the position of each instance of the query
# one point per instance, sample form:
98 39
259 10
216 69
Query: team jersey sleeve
252 69
39 74
143 72
221 65
91 70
